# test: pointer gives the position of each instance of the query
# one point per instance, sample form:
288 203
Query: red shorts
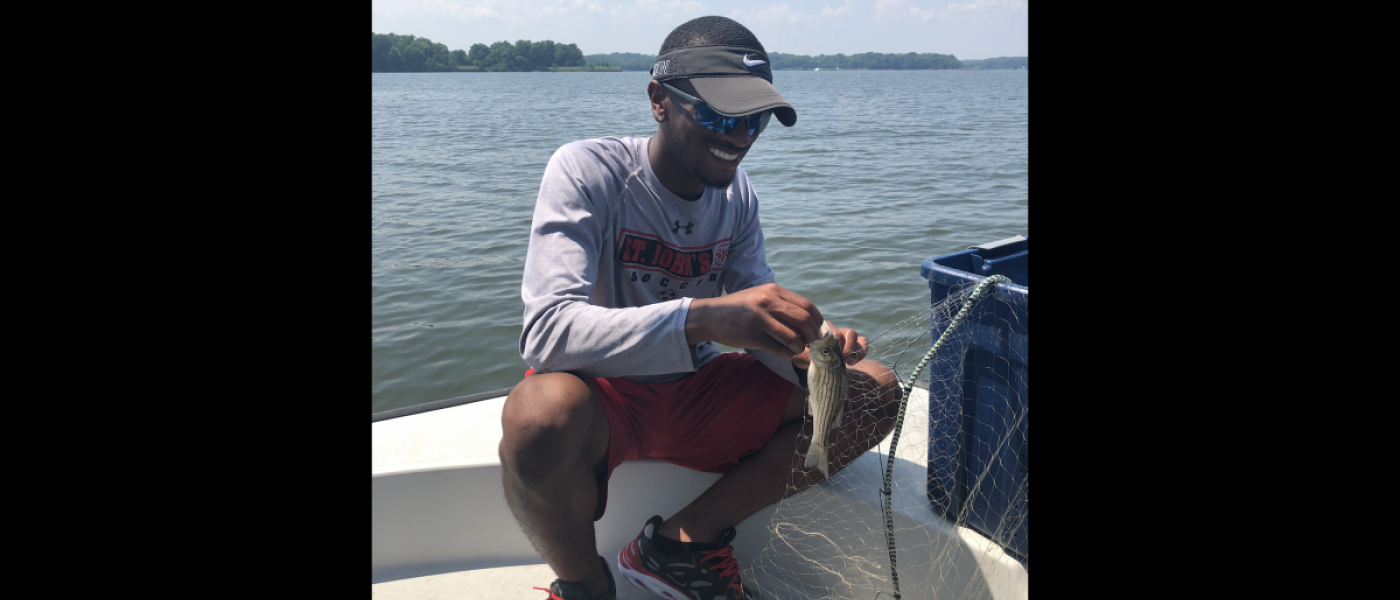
708 421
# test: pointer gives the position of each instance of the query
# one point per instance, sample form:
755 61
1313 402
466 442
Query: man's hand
853 347
767 317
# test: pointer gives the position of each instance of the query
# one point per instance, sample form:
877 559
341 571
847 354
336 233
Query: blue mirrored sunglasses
719 123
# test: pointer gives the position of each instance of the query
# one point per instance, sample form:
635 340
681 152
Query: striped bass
826 395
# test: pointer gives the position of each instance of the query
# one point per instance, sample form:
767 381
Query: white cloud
827 11
439 8
783 13
984 7
776 13
513 12
566 7
987 5
977 10
922 15
655 9
888 7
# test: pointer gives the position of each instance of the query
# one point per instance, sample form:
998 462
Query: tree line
866 60
1005 62
408 54
632 61
629 61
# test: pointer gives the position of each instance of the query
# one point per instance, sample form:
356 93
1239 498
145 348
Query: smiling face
686 156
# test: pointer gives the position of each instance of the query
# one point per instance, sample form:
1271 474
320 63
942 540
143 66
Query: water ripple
883 170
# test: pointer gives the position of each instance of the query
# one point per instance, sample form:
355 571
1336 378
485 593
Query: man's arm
766 317
563 331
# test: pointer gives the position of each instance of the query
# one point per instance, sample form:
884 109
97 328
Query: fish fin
815 456
822 464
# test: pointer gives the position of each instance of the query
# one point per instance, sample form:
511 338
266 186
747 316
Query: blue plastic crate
978 421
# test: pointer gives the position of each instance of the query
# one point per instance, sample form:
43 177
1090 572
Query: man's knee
551 421
877 387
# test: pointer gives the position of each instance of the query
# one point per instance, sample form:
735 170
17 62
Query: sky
974 29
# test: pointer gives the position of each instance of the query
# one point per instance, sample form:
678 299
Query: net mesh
959 486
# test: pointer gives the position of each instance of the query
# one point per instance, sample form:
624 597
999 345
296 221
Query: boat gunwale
405 411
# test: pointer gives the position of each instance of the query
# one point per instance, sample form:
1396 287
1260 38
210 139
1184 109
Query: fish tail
816 457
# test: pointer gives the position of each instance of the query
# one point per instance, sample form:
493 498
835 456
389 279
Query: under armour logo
678 227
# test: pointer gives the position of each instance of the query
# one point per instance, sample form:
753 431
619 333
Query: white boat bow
441 527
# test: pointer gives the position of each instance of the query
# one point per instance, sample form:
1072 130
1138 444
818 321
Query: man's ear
658 100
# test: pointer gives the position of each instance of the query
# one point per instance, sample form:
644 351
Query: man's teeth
724 155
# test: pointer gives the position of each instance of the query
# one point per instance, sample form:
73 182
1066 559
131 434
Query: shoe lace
725 566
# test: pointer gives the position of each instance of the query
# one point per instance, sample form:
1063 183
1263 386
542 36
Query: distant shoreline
392 53
864 61
473 69
621 70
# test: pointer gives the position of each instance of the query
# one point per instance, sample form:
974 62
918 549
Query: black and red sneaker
569 590
682 570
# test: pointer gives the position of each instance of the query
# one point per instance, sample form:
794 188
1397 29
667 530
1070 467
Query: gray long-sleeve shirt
615 259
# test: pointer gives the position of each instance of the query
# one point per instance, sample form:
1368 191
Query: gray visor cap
733 80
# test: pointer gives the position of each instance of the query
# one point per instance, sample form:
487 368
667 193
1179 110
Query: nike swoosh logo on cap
752 63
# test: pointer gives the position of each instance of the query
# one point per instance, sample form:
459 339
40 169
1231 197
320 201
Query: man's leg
777 471
555 435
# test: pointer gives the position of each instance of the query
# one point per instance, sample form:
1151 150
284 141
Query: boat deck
441 528
504 583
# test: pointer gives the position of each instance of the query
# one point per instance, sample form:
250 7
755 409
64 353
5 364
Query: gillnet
958 476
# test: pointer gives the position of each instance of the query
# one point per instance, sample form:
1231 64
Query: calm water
883 170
